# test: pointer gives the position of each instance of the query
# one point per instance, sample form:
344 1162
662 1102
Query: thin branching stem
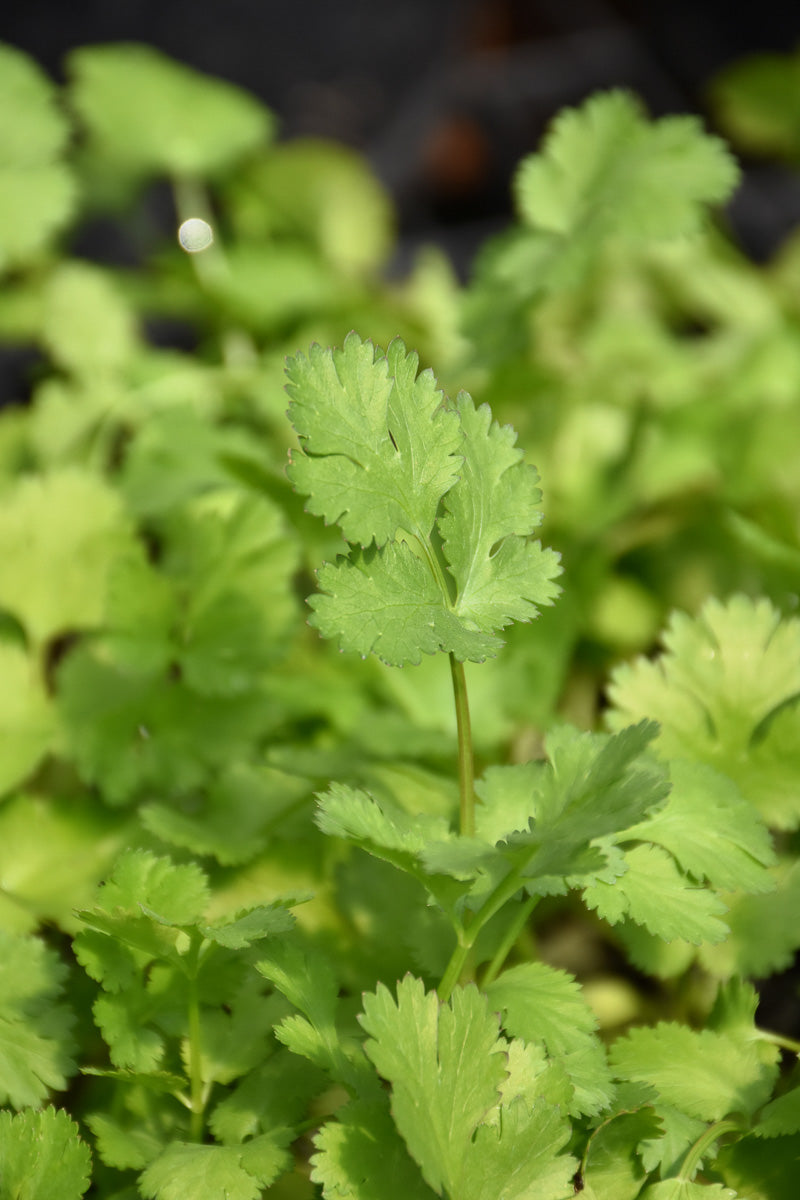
466 766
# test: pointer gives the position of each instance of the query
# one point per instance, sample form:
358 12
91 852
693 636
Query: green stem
778 1039
507 888
706 1139
515 927
466 767
196 1089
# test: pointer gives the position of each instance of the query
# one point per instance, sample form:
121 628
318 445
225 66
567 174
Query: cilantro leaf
87 326
701 1072
725 693
653 892
712 832
446 1065
379 449
686 1189
358 1153
37 192
489 514
68 526
42 1157
147 114
605 171
545 1006
27 721
217 1172
36 1042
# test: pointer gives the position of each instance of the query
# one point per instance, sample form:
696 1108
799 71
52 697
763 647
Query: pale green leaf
87 326
27 721
178 893
379 449
724 692
604 171
36 202
654 893
756 102
712 832
33 129
490 513
361 1154
36 1043
42 1157
613 1168
216 1172
122 1147
685 1189
389 603
545 1006
445 1065
59 536
146 113
703 1073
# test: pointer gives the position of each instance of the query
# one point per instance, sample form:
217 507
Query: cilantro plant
289 906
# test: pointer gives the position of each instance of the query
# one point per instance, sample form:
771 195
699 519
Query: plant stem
515 927
706 1139
195 1059
466 767
467 937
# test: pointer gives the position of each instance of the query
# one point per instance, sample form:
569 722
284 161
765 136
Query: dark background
445 96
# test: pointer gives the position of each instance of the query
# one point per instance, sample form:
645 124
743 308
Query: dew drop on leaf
195 235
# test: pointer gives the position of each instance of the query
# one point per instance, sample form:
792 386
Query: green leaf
216 1172
387 602
264 920
446 1065
32 127
121 1147
178 893
712 832
703 1073
612 1165
318 191
37 193
52 856
35 204
780 1116
36 1043
233 567
654 893
42 1157
147 114
684 1189
755 101
724 692
27 721
276 1092
241 811
545 1006
591 788
87 327
128 732
761 1170
68 526
378 447
604 171
489 515
361 1153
